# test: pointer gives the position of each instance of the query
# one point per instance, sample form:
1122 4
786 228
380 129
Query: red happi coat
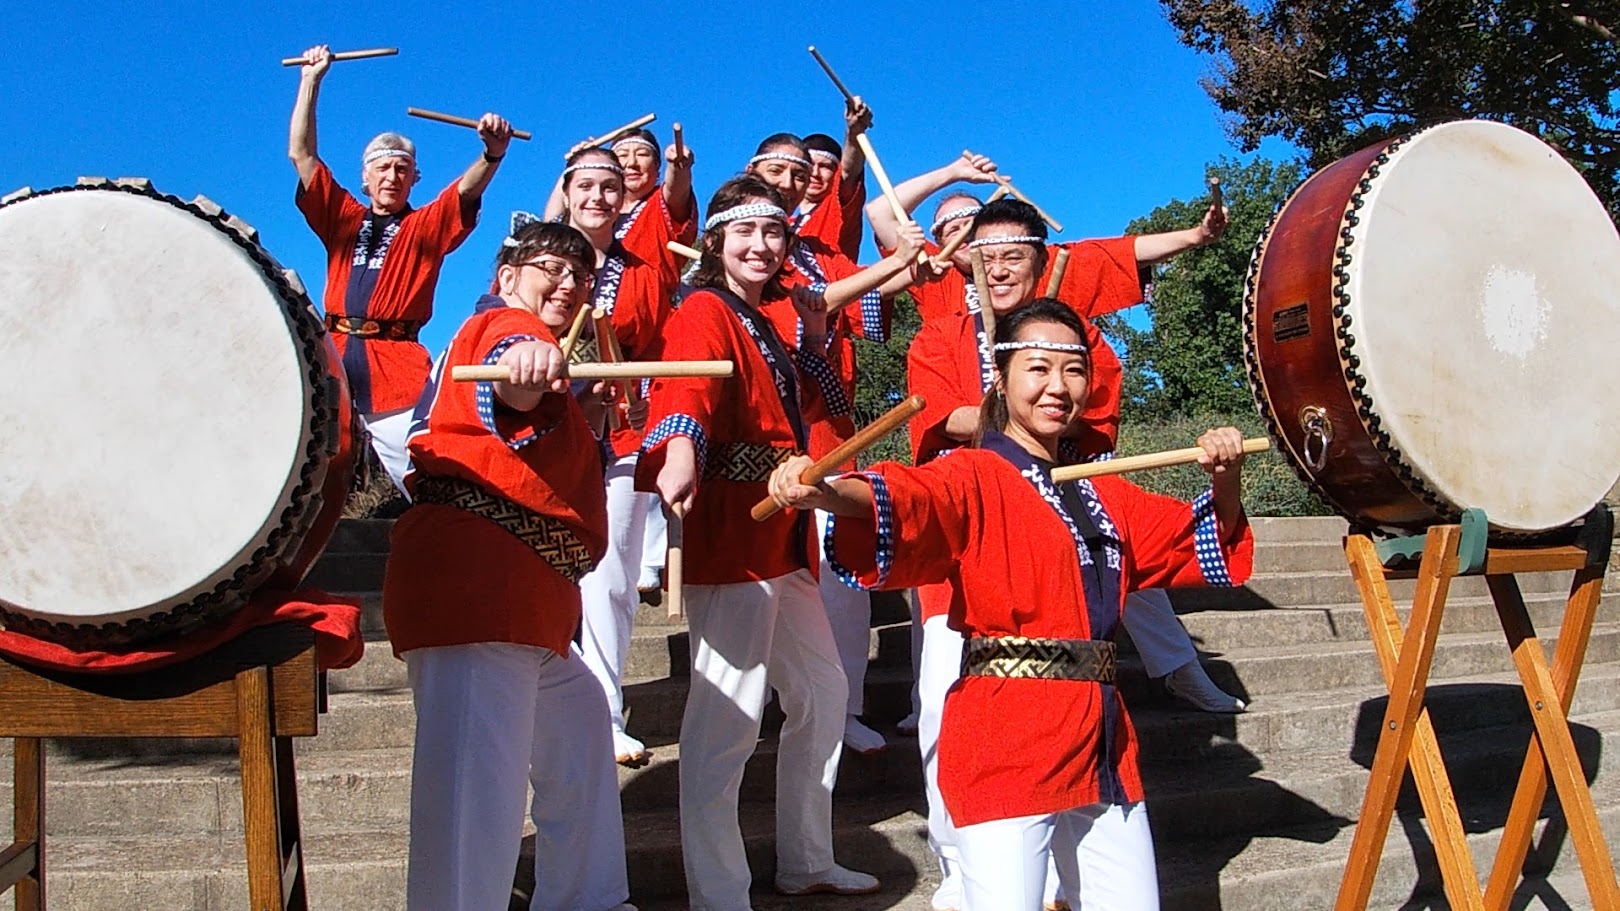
836 221
646 290
384 375
869 318
724 544
1019 747
454 577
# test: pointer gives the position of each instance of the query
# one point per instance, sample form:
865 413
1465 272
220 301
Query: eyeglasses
556 268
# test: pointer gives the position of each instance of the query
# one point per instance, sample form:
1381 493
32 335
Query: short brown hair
711 271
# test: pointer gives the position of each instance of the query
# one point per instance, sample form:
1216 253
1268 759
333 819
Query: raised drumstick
1215 201
943 257
900 214
619 133
624 370
1151 460
675 561
987 310
1059 264
453 120
680 143
849 449
1018 195
848 95
347 55
1000 192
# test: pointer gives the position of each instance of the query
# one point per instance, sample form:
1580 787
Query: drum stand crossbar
1407 737
261 689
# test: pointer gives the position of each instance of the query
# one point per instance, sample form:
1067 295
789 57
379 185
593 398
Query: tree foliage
1191 359
1333 76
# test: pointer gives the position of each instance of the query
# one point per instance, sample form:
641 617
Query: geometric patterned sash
1044 659
553 541
745 462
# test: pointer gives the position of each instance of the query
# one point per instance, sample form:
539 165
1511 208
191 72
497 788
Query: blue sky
1096 110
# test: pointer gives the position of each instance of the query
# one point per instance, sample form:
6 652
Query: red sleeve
1101 276
685 406
1172 544
327 207
449 218
930 373
926 514
648 239
852 203
504 328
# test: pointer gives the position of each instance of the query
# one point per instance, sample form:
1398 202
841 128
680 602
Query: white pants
746 639
849 611
1160 638
492 718
388 431
608 593
655 536
1105 851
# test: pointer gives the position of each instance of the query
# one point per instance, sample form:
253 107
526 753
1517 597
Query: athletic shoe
835 880
861 738
1191 683
629 752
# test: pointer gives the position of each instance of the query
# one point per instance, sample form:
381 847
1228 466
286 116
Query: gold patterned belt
584 352
393 330
1041 659
745 461
552 540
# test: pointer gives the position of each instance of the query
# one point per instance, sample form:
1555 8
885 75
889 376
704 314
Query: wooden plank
294 889
28 820
1400 718
1502 561
1531 792
1557 745
1428 769
194 699
260 822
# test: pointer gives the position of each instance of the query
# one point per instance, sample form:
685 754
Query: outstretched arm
496 134
301 135
889 275
678 182
1156 248
966 167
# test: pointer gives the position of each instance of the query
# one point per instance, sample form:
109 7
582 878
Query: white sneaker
909 725
835 880
629 752
649 581
948 897
861 738
1191 683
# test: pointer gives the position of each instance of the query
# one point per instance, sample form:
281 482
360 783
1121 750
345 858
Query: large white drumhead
153 412
1485 305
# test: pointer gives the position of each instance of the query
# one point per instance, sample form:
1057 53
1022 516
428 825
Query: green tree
1334 76
1191 359
881 382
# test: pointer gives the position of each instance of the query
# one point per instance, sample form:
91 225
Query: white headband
749 210
1043 346
778 156
593 166
376 154
634 140
823 153
1017 239
952 215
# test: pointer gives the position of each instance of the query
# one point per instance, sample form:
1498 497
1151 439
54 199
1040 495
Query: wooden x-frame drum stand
262 689
1407 738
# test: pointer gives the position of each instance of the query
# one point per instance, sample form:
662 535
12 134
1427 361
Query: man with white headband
837 175
383 259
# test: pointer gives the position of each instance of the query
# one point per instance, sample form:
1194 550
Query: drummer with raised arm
383 257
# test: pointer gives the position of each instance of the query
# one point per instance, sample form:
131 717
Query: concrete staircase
1250 812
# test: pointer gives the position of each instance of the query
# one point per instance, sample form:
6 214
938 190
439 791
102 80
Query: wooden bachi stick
346 55
849 449
849 96
1141 462
1060 263
675 561
625 370
453 120
981 283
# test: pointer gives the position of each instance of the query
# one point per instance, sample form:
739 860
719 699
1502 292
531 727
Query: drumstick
1059 264
987 311
1215 201
847 450
680 143
619 133
848 95
624 370
574 331
1000 192
453 120
900 214
676 246
607 351
347 55
675 562
632 391
1151 460
1018 195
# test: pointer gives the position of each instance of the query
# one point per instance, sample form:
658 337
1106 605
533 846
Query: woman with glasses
481 600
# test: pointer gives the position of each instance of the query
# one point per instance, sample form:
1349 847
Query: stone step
1298 589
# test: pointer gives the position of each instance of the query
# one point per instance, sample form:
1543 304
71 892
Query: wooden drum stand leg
269 800
1407 738
23 863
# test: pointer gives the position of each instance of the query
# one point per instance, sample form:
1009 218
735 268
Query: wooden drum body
1427 325
177 428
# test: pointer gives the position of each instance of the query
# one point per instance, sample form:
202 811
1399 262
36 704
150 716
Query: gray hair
388 142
